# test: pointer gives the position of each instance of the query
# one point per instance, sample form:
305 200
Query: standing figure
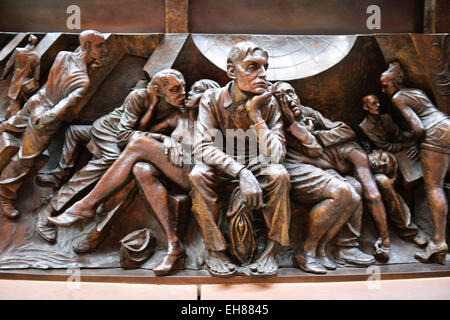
25 79
111 133
153 163
45 112
431 129
246 118
314 180
385 134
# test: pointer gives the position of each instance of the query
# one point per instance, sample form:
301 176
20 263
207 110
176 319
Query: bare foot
267 263
218 264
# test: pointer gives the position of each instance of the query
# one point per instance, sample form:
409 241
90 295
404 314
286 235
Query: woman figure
151 160
431 128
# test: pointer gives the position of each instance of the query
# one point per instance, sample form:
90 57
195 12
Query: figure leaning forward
45 112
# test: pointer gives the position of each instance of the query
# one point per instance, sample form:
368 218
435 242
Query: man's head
168 84
383 162
197 90
392 79
32 40
247 65
93 43
371 104
284 90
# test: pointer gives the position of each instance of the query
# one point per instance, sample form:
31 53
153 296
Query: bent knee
277 172
139 141
141 169
383 181
341 191
198 173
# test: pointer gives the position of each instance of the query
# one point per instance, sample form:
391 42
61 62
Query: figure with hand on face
155 164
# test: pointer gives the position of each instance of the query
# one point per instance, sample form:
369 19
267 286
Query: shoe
381 253
353 256
309 264
7 208
433 253
46 230
419 240
68 219
327 262
170 263
48 179
91 243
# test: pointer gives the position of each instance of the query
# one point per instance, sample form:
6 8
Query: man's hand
255 104
251 192
174 151
413 153
288 114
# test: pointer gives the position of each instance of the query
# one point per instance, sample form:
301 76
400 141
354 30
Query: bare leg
157 196
140 148
324 215
372 195
435 166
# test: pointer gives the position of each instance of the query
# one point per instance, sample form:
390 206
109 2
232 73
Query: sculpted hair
394 73
161 78
87 36
207 84
32 39
240 50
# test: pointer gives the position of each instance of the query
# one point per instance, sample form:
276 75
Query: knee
384 182
341 192
144 169
137 142
198 173
279 173
372 195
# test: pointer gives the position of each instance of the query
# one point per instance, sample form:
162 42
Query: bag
240 229
136 248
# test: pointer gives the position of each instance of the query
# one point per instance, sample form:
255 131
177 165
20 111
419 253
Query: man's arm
271 138
37 70
62 110
410 116
331 132
383 144
206 132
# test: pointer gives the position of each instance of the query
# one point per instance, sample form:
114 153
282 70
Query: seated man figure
110 134
245 104
386 135
314 180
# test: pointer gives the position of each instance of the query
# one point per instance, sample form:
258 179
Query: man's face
173 92
194 96
387 87
287 92
372 105
380 162
250 73
97 50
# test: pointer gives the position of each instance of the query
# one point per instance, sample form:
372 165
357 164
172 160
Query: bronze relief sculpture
238 175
